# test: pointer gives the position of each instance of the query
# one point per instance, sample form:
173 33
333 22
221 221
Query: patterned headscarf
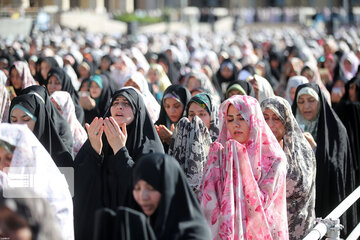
301 170
32 160
64 100
243 192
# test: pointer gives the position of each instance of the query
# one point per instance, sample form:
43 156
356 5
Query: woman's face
121 111
292 93
53 85
95 90
15 78
255 85
45 68
347 65
5 158
352 93
132 83
329 64
195 109
193 83
152 76
174 109
147 197
308 74
84 73
18 116
237 125
226 72
308 106
234 92
275 124
104 64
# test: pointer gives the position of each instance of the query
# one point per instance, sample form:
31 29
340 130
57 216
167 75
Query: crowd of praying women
236 135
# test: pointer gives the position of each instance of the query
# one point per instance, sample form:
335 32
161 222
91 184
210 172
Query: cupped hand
115 134
95 131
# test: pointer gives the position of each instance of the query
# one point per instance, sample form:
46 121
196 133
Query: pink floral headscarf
243 193
25 74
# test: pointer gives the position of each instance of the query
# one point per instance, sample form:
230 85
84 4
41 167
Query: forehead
305 97
232 110
121 99
195 107
171 101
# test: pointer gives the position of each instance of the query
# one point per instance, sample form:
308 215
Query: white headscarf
33 162
294 82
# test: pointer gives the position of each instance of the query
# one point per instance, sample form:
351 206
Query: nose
144 195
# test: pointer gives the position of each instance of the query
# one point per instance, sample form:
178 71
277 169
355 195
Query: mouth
237 133
118 115
147 208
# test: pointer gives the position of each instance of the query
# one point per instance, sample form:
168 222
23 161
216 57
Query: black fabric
66 85
181 93
45 129
61 126
173 73
103 103
178 215
248 88
349 113
104 181
124 224
335 177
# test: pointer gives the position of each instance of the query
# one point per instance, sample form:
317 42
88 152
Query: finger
115 125
172 127
101 131
123 129
98 125
87 126
110 126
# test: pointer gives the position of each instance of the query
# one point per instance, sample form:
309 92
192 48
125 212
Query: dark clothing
178 215
45 129
103 181
248 88
184 96
335 178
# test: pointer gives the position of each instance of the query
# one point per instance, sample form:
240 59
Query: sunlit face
308 106
174 109
84 73
347 65
44 68
196 110
104 64
20 117
132 83
237 125
308 74
53 85
95 90
275 124
292 93
352 93
147 197
193 83
152 75
234 92
226 72
15 79
121 111
5 158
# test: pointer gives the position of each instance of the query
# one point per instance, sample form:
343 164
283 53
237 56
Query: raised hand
164 133
115 135
95 131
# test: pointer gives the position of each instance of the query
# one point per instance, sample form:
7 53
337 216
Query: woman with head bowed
335 177
193 135
301 165
161 192
243 191
64 103
61 126
59 80
30 109
262 87
19 77
173 105
21 152
103 166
